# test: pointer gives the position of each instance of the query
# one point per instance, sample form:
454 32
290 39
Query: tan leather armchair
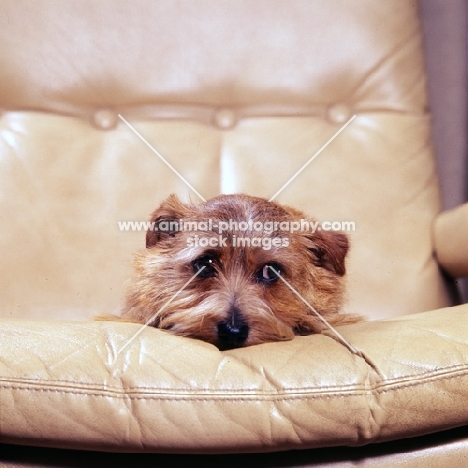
236 96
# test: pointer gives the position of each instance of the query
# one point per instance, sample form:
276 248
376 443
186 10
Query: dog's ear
164 222
329 250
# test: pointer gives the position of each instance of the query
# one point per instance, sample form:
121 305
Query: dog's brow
158 154
341 338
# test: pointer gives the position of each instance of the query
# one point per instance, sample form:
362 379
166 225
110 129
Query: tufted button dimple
225 118
339 113
105 119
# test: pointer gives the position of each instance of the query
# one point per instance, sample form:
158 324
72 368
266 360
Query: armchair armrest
451 240
65 384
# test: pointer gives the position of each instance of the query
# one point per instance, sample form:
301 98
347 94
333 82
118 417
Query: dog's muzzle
232 333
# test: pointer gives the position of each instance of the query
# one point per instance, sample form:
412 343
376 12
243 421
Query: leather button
340 113
105 119
225 118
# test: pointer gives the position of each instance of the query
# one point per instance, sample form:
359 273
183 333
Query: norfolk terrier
237 271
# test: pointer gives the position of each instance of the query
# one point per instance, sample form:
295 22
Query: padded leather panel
165 393
87 54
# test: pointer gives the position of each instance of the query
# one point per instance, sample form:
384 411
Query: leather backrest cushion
237 96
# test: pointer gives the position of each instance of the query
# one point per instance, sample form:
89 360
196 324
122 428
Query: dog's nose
232 335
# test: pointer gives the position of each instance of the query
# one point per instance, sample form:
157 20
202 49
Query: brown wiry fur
235 293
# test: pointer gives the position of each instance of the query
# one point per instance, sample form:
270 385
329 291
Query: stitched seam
373 388
22 382
243 397
188 398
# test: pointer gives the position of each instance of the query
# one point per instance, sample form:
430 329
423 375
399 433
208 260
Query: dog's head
236 271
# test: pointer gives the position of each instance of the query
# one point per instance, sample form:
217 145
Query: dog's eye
268 273
205 266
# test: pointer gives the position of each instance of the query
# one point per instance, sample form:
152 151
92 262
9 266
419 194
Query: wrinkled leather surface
165 393
430 451
237 96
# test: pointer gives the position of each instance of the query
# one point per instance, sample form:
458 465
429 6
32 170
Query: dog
237 271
